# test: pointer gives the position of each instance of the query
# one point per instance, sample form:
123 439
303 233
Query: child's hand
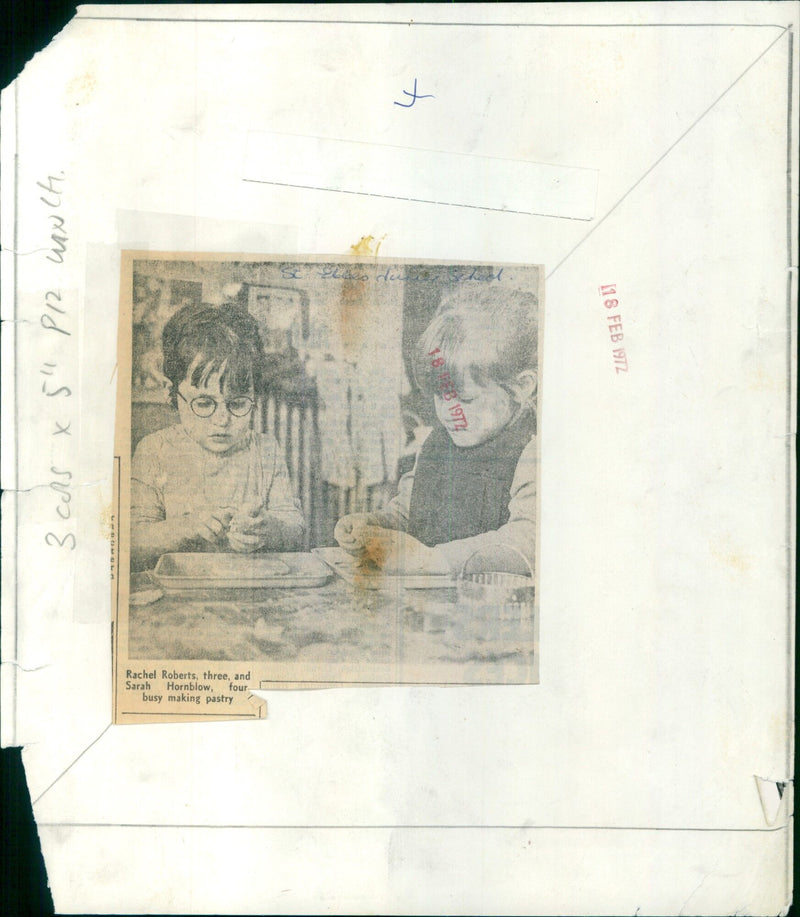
249 529
349 531
243 543
399 553
207 524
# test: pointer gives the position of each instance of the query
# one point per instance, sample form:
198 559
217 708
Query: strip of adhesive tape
458 179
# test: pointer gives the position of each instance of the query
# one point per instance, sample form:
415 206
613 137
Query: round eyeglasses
205 405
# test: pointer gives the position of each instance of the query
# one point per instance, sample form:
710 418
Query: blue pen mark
413 96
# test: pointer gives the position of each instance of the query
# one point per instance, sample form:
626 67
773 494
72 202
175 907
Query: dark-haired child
210 482
473 485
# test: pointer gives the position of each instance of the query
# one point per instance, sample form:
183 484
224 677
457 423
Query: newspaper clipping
326 474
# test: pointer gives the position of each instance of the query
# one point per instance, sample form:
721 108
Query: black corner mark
23 878
27 26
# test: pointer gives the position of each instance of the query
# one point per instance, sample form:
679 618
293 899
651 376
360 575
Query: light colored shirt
519 533
172 475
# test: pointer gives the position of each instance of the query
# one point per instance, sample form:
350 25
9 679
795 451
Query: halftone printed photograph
327 473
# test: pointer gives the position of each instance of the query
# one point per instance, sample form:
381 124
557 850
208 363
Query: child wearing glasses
473 486
211 482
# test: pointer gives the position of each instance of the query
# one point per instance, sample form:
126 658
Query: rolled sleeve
395 514
147 500
282 504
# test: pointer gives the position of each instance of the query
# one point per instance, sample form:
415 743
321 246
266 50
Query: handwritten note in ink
413 96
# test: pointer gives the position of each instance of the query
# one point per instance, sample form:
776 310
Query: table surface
336 623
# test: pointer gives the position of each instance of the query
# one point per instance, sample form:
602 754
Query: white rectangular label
457 179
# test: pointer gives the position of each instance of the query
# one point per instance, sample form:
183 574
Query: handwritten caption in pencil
608 294
56 322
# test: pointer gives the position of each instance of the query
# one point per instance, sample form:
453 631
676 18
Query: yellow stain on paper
367 247
106 522
726 553
80 89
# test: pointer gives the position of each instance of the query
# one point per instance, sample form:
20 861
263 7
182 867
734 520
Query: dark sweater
460 492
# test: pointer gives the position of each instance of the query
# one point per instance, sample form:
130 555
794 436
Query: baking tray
350 569
177 573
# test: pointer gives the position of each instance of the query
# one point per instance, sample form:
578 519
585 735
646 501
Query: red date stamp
447 391
608 294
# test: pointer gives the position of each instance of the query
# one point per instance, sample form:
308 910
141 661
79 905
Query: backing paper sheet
634 164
